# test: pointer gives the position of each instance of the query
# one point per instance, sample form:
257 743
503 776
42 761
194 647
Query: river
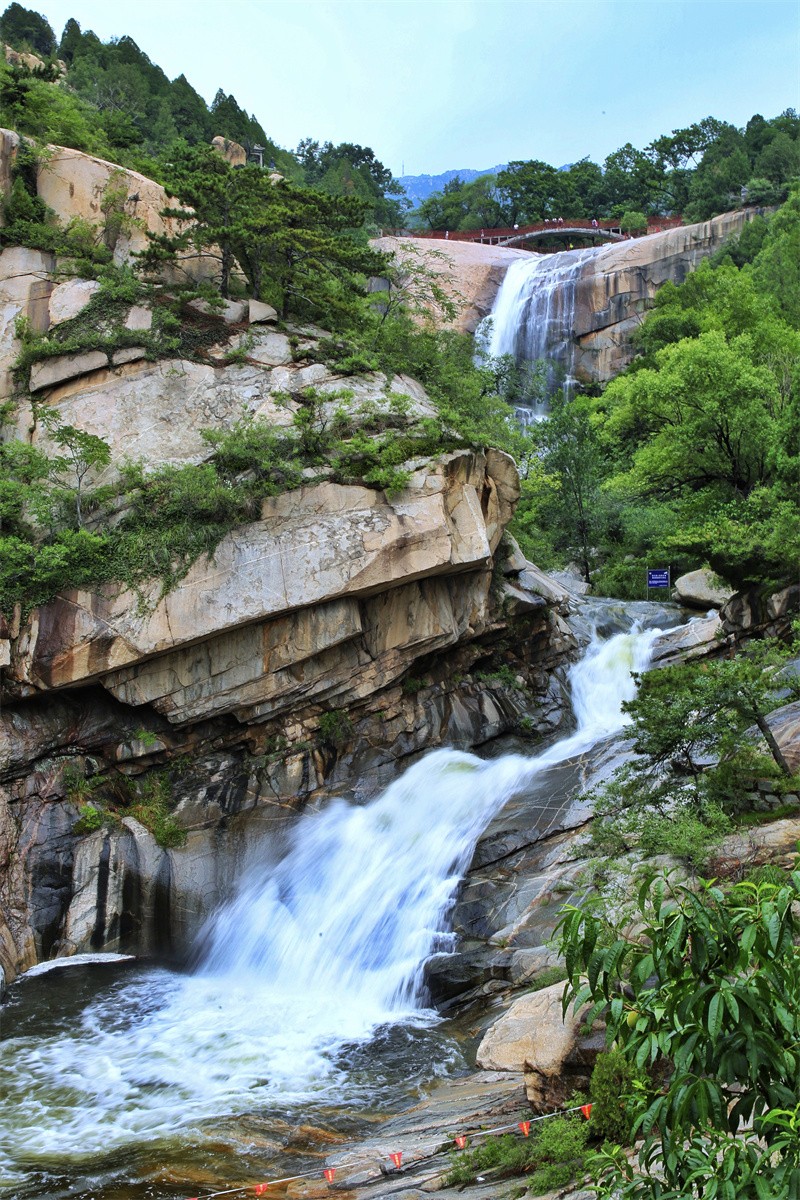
304 1015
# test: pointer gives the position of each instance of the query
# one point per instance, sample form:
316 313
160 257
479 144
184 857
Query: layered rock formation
336 603
615 288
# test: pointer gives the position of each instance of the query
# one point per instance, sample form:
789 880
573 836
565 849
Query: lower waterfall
311 961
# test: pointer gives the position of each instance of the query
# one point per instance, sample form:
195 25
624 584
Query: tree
702 420
297 246
691 729
705 996
776 269
22 28
562 488
531 191
633 222
84 452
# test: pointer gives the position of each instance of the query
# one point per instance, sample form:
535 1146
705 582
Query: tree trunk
774 748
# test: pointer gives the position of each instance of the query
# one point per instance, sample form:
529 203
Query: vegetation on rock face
704 999
696 762
690 456
552 1157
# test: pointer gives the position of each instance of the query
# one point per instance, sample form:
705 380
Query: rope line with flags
461 1140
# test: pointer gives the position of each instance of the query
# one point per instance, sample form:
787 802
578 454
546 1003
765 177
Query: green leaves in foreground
706 1000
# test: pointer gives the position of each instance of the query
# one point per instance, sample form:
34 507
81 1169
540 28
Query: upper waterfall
533 316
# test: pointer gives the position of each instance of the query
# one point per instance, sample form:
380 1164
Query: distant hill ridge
420 187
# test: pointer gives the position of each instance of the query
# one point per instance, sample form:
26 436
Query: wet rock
697 638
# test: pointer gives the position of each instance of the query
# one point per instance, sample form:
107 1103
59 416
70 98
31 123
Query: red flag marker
461 1141
397 1158
329 1173
525 1126
586 1109
260 1188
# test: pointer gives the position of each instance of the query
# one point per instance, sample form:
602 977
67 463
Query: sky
434 85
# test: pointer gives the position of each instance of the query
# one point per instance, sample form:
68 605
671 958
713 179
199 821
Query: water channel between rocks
305 1016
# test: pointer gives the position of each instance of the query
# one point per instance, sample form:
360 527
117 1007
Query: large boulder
536 1037
702 589
321 544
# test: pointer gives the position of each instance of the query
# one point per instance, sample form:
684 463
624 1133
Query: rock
702 589
533 1035
25 289
547 586
311 546
19 58
785 724
70 298
615 287
701 636
73 184
139 318
51 371
155 410
268 347
756 611
258 312
468 273
232 312
127 354
232 151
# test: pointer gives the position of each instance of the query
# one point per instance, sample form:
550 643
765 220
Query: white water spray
307 959
533 316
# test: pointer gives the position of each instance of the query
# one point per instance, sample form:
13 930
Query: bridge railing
553 225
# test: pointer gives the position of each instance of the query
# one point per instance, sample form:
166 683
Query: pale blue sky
438 84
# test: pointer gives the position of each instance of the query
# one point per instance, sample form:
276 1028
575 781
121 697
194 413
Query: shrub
335 728
90 819
612 1078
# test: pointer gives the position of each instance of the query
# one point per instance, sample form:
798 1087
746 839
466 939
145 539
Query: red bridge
554 229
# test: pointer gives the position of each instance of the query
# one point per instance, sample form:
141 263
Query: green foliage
562 483
704 996
553 1156
611 1089
335 728
297 246
706 168
90 819
27 30
696 764
632 222
152 809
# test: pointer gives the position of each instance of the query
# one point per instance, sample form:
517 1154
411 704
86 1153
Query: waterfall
533 316
311 957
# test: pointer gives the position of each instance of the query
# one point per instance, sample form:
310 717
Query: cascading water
310 959
533 317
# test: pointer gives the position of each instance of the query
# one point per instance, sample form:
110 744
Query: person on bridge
594 222
561 220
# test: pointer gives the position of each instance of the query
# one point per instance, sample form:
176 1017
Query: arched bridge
552 230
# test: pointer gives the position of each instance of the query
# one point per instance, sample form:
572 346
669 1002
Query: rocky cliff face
615 288
325 644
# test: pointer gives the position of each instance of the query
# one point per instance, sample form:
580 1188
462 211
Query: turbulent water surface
306 1003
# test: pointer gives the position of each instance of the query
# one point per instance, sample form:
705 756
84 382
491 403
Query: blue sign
658 578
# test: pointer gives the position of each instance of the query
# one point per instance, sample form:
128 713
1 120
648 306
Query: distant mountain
419 187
